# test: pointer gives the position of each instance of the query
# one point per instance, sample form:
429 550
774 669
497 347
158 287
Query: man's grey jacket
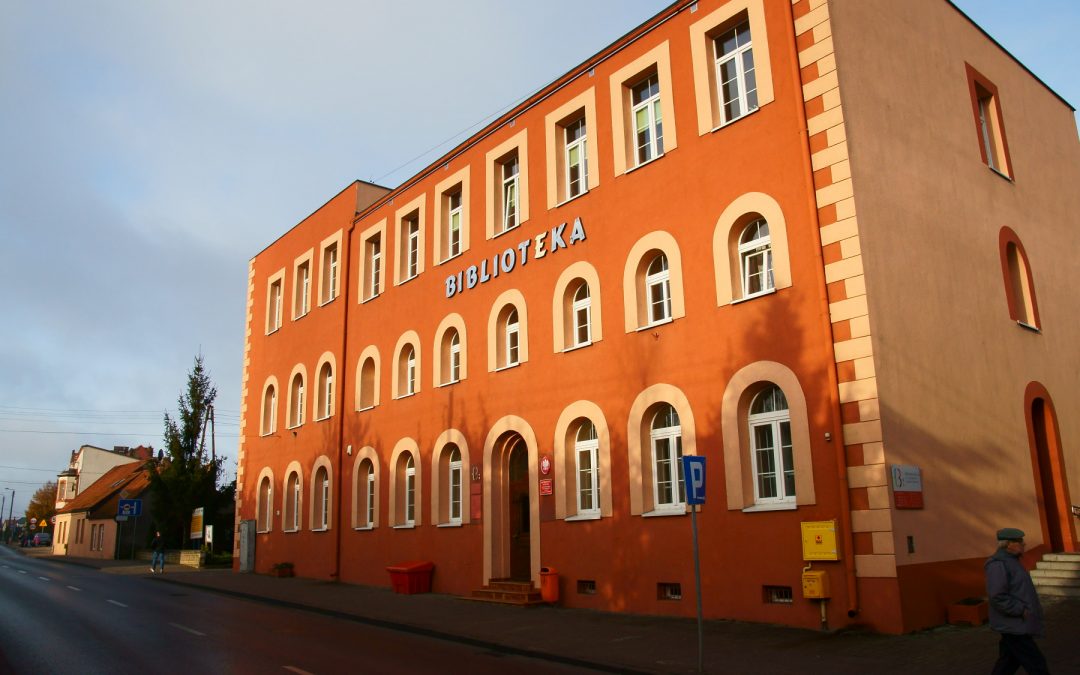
1009 588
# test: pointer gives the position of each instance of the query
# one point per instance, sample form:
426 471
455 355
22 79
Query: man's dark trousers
1019 650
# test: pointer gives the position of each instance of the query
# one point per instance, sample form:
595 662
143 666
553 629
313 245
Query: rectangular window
647 116
302 287
506 189
453 239
509 193
986 106
668 591
370 506
451 219
410 240
577 159
777 595
373 255
274 297
455 492
586 587
735 77
329 281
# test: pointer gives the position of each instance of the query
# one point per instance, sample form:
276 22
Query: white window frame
294 526
510 217
266 507
453 226
673 436
370 497
330 269
409 518
513 338
774 421
654 123
296 415
659 280
743 95
374 257
986 109
453 480
761 248
581 311
589 447
277 291
324 515
269 411
302 301
412 256
455 357
577 144
327 392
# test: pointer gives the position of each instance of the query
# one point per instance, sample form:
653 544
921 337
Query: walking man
158 547
1015 611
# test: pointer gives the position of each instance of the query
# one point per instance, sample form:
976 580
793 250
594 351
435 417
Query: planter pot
972 611
281 572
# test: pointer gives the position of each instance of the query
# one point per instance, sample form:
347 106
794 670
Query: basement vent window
777 595
586 587
668 591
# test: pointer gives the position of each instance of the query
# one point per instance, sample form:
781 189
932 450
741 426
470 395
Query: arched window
325 405
365 503
366 393
407 372
1019 282
296 400
581 313
291 516
755 258
269 410
658 289
453 476
321 500
588 470
410 491
669 490
265 508
509 337
770 440
451 356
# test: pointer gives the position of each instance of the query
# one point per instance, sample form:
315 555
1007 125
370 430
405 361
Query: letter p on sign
694 475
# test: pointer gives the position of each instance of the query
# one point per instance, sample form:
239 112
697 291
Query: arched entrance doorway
1052 489
511 500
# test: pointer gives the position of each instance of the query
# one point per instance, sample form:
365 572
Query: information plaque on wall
907 486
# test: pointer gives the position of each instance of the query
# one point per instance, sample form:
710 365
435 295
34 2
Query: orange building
827 246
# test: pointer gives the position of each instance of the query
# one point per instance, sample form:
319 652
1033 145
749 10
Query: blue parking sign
129 507
694 475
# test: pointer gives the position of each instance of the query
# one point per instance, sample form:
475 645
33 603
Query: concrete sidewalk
629 643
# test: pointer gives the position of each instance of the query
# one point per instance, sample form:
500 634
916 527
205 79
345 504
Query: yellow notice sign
197 523
819 540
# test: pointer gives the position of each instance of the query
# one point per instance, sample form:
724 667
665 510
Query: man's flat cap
1010 533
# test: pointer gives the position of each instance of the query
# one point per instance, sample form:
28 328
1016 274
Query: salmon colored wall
952 365
683 193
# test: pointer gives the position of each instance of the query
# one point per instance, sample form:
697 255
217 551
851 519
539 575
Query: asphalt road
60 619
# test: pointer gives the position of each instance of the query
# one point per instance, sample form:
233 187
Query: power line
85 433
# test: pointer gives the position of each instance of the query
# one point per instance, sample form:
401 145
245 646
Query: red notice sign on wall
907 487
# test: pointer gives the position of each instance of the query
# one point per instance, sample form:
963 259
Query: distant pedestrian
1015 611
158 547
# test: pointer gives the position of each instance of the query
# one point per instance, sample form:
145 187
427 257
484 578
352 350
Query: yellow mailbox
815 585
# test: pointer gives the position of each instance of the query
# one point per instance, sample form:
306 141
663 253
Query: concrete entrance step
507 592
1057 574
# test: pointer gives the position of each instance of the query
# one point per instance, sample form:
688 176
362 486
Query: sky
149 150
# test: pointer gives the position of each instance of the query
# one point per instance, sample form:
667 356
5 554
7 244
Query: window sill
507 367
398 398
294 427
300 316
447 384
256 532
370 407
364 528
323 419
645 163
655 324
407 526
724 125
748 298
1028 326
321 529
448 259
574 348
406 279
507 230
292 531
369 299
677 510
326 302
271 332
583 516
450 524
570 199
1001 173
777 506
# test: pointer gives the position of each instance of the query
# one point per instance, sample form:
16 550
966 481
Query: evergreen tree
186 478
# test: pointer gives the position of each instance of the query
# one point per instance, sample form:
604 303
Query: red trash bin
411 577
549 584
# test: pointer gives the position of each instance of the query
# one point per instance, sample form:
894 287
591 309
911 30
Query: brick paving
630 643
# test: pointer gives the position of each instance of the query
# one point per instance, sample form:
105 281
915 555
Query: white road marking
44 578
294 669
74 589
189 630
118 604
22 571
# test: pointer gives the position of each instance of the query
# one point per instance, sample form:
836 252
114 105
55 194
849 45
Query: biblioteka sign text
505 262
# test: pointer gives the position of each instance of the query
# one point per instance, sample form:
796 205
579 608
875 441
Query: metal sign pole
697 590
134 528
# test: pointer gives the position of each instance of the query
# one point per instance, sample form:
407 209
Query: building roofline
1011 55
